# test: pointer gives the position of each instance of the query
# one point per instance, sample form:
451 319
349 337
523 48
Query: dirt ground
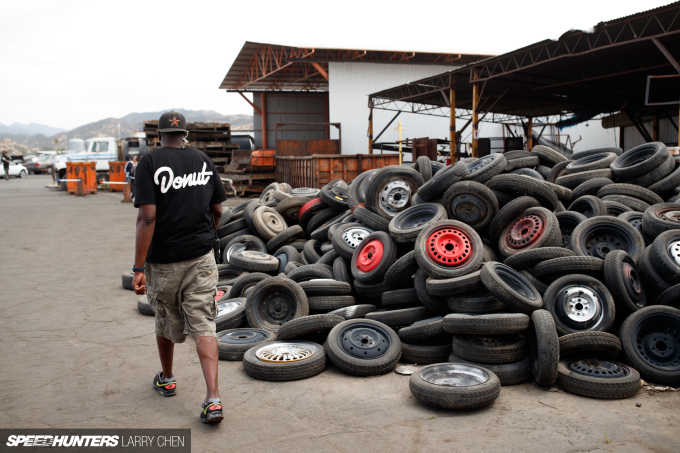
76 353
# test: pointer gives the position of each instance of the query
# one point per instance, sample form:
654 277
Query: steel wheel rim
600 239
525 231
280 352
229 307
276 305
394 196
449 246
364 340
669 214
454 375
632 282
636 221
567 225
273 221
370 255
515 281
470 208
354 236
241 247
656 341
674 251
579 306
415 217
242 336
254 255
598 368
480 164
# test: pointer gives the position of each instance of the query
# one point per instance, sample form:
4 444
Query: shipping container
320 169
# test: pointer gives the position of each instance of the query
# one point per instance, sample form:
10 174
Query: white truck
101 150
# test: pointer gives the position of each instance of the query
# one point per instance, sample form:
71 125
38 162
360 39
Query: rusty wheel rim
526 230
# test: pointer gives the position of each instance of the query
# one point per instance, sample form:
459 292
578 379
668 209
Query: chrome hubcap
581 304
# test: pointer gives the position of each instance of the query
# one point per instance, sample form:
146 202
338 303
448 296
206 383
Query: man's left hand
139 283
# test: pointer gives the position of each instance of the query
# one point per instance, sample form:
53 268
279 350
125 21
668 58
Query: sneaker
164 388
212 412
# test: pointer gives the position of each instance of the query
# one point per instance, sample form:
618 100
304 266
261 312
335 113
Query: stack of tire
490 272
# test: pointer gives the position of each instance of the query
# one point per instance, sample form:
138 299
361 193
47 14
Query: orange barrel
117 174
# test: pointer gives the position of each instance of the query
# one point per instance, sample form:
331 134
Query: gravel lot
76 353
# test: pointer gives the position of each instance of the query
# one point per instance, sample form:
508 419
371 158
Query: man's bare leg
208 355
166 350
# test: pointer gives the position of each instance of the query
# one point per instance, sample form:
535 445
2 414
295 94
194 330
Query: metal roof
589 72
265 67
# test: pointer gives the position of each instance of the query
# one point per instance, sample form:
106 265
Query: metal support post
530 135
263 115
452 125
475 113
370 131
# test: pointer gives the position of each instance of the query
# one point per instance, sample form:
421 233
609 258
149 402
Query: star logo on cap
174 121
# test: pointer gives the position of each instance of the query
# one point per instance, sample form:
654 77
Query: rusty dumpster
117 174
87 171
320 169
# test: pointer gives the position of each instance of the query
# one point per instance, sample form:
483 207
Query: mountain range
21 138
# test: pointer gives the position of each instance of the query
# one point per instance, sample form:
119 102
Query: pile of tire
490 272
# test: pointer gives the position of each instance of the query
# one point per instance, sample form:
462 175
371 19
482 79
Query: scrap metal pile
490 272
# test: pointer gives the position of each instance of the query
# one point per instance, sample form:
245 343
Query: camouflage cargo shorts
183 297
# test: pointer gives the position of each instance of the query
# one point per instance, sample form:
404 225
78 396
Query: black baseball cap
172 122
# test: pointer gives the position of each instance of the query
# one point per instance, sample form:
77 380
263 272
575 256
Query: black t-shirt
182 183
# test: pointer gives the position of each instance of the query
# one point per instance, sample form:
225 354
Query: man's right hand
139 283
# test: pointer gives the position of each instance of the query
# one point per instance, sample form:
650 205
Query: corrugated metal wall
667 134
290 107
351 83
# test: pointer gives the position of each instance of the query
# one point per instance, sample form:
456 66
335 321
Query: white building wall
349 87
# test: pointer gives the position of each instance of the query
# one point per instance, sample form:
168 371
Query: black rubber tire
590 152
527 259
354 311
548 156
544 350
362 254
328 258
635 219
224 241
664 254
249 213
345 249
243 242
425 354
497 349
654 282
665 186
289 208
328 303
297 305
522 162
564 195
582 345
232 344
325 287
232 227
455 397
340 271
284 371
235 318
593 227
493 324
589 206
311 251
576 179
245 281
377 183
369 293
321 233
353 190
480 302
442 180
307 327
401 317
597 386
508 213
524 185
630 190
286 236
127 278
639 161
615 208
253 261
285 255
485 168
661 217
405 226
521 232
634 203
422 332
432 268
563 324
403 270
456 285
550 270
423 165
508 373
593 162
557 170
516 154
538 284
143 306
335 197
359 366
309 272
400 298
510 287
590 187
624 281
435 304
470 202
543 171
268 222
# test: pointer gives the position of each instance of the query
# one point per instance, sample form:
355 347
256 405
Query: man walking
179 196
130 169
5 163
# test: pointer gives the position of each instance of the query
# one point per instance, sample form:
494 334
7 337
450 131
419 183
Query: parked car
17 169
42 165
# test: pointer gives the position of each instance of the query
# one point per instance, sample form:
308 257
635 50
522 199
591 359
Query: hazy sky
68 63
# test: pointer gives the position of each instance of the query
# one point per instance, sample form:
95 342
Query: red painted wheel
370 255
525 231
307 206
449 246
